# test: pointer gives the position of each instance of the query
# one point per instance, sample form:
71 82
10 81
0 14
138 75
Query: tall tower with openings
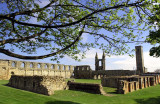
100 63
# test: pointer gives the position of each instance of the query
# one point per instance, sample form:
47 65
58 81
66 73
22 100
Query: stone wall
125 84
40 84
86 87
12 67
83 72
108 73
113 81
4 70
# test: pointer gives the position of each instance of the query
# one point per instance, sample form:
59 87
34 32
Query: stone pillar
152 81
61 67
139 59
71 68
66 67
103 62
55 67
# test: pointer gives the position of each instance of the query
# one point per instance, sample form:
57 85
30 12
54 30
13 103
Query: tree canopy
57 26
154 35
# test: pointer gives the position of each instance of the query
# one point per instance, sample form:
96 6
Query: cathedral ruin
37 75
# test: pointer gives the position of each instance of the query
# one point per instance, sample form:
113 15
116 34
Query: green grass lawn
10 95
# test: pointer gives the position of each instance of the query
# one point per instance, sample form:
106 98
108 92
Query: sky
124 62
112 63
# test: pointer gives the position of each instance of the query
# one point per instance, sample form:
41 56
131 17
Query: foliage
56 26
154 36
16 96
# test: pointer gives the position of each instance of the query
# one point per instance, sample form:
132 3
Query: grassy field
10 95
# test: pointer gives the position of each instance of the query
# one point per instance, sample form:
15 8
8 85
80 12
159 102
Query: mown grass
10 95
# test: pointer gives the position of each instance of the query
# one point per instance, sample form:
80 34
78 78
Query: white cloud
114 62
117 62
150 63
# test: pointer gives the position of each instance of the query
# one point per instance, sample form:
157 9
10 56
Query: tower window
100 63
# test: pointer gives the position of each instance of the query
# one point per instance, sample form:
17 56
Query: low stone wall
113 81
86 87
125 84
40 84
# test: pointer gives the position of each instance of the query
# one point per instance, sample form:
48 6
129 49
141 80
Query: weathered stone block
39 84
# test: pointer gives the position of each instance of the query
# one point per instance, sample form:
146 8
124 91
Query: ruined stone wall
40 84
4 70
33 68
86 87
107 73
83 72
125 84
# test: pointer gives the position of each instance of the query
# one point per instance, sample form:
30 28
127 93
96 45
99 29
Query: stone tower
96 62
139 60
100 63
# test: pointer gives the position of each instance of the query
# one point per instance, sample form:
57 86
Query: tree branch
30 11
73 23
25 38
7 52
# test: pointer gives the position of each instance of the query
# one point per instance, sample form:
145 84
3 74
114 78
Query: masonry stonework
35 76
140 60
40 84
12 67
125 84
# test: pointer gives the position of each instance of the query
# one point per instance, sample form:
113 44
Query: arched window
46 66
39 66
82 68
69 67
87 68
58 67
52 66
22 65
100 63
64 67
31 65
13 64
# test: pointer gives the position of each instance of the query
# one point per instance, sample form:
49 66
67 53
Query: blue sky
114 62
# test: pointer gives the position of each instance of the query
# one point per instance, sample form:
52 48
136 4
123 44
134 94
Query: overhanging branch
7 52
72 23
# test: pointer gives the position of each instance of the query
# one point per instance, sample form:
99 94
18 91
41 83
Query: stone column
55 67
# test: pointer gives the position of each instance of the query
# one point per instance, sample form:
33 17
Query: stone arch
46 66
22 65
58 67
38 65
52 67
31 65
99 76
13 64
64 67
95 76
12 73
